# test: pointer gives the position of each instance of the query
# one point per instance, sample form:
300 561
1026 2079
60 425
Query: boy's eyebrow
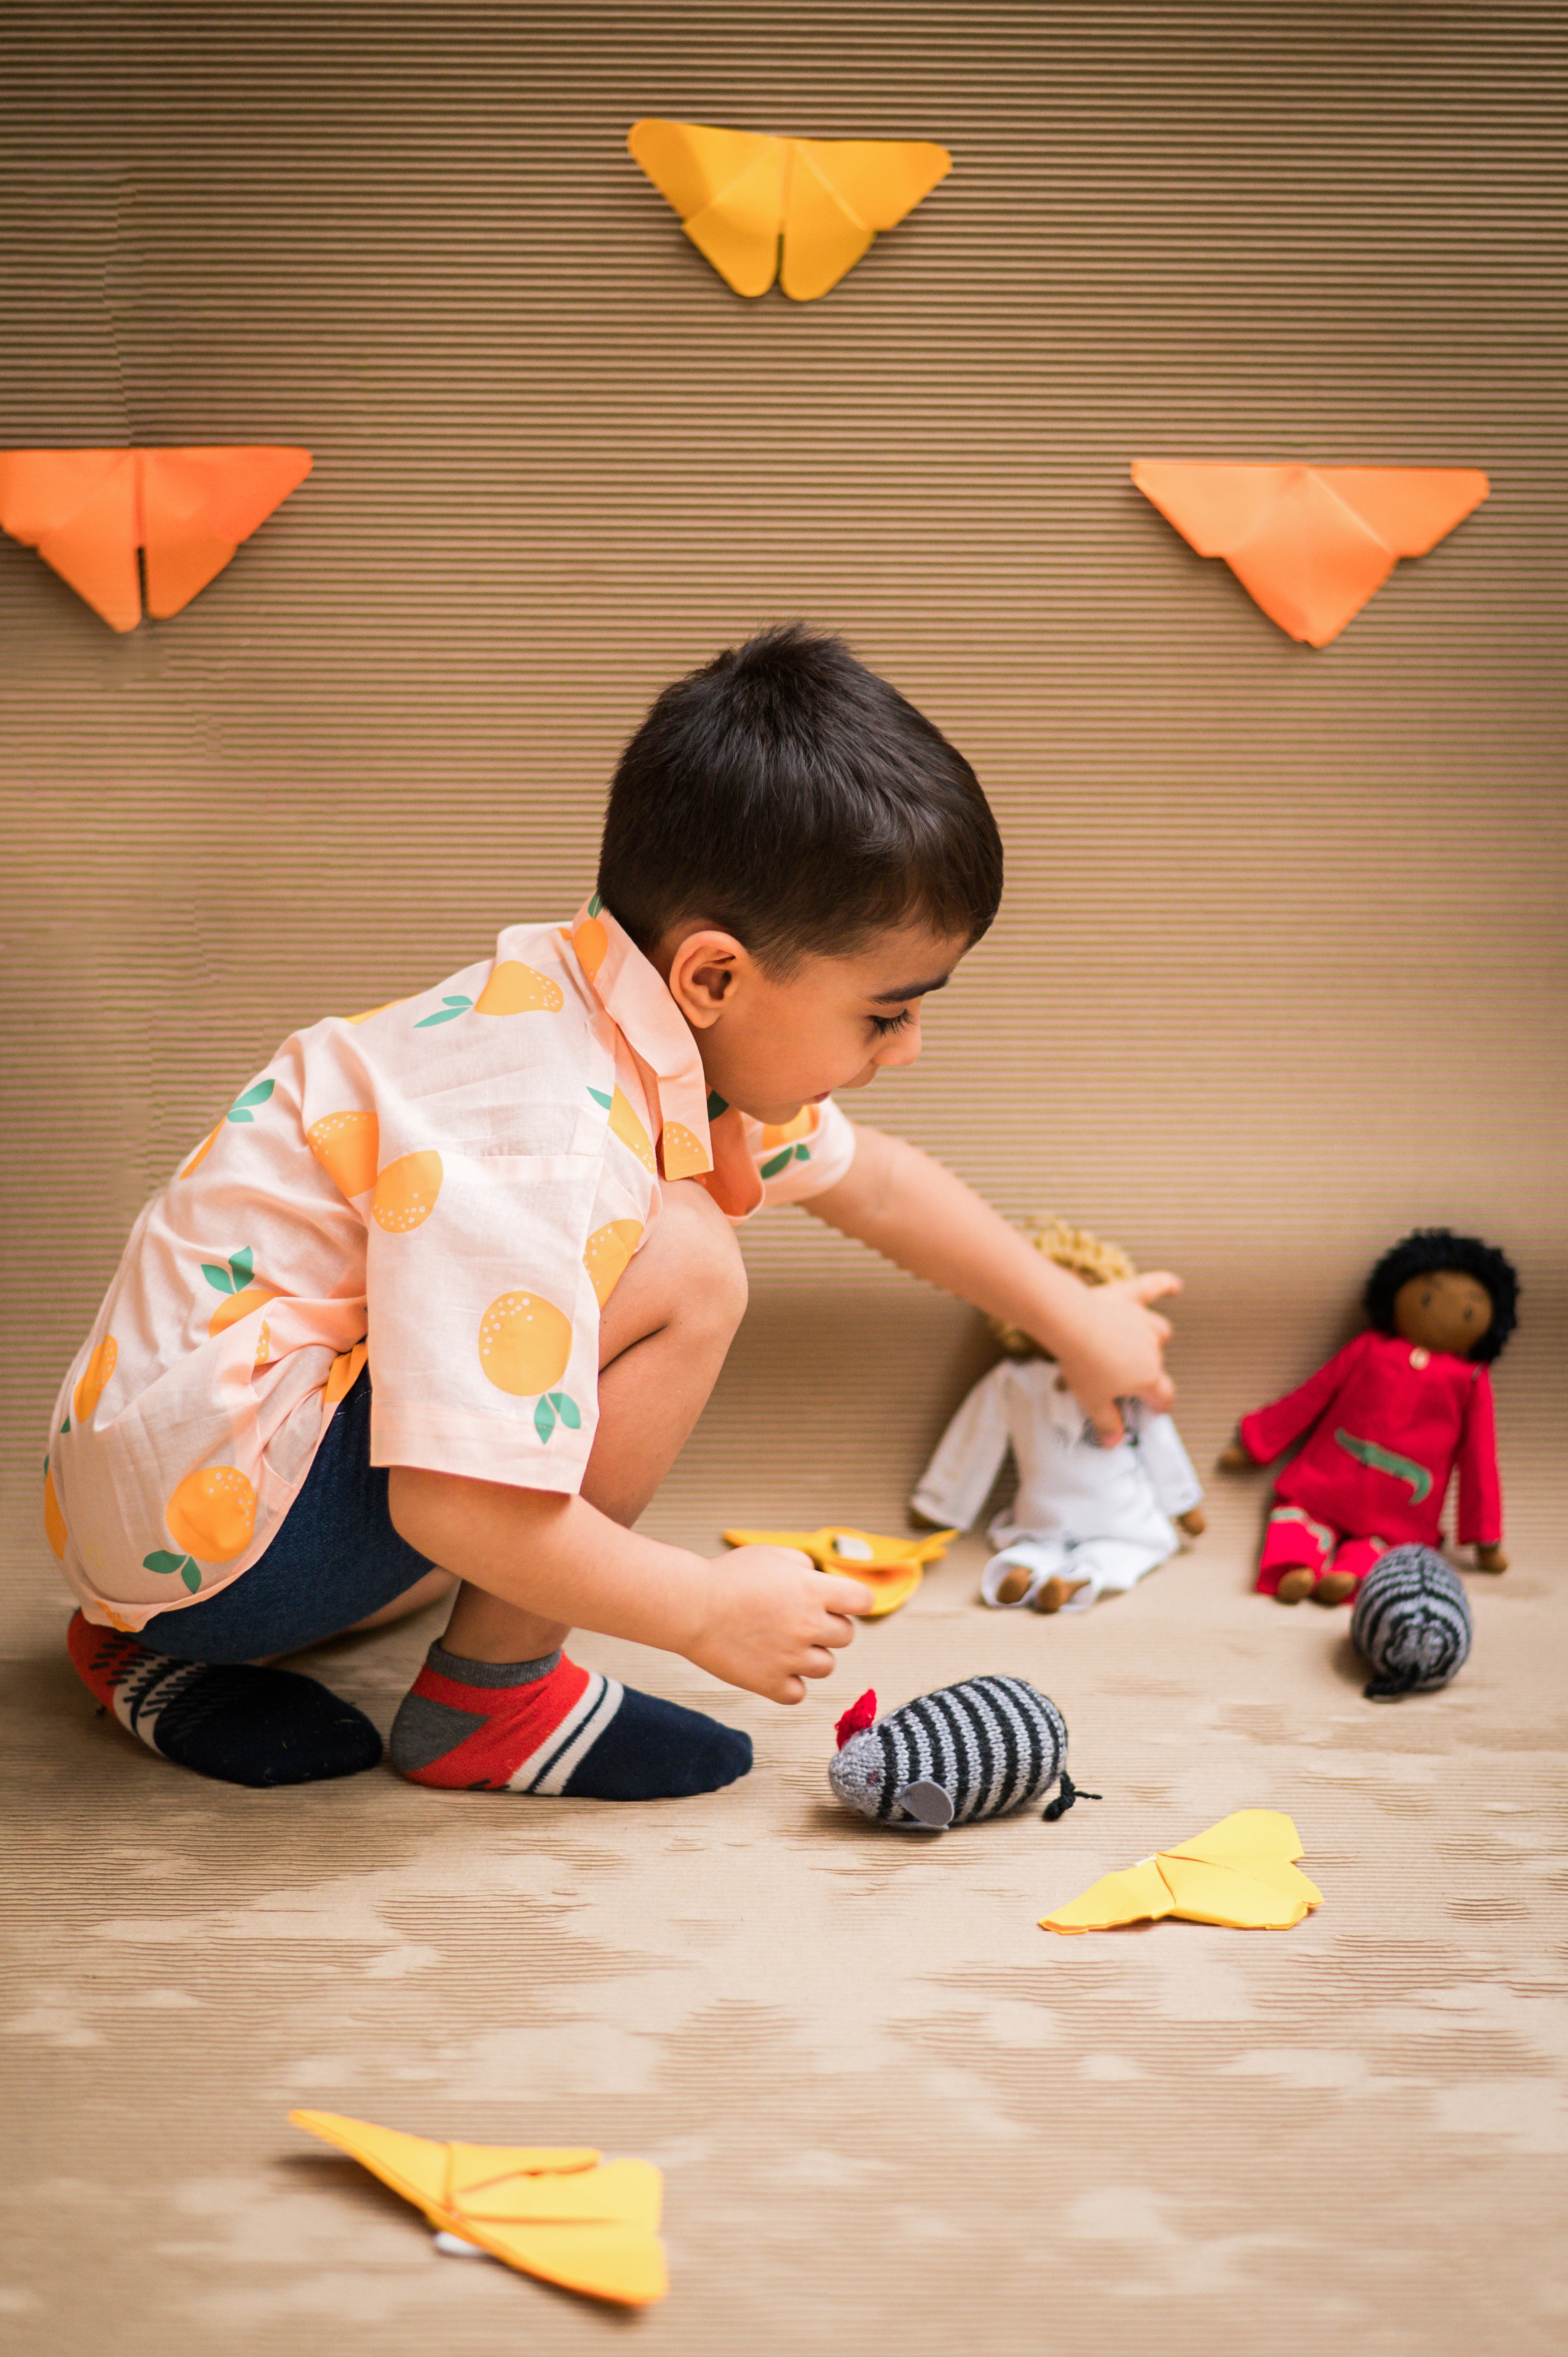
914 990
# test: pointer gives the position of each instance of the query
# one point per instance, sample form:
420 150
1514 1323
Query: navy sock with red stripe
240 1724
549 1727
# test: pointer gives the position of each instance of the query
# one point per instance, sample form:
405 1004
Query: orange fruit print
785 1132
683 1152
94 1376
54 1521
212 1515
514 988
606 1254
241 1110
624 1125
524 1343
343 1374
406 1192
234 1280
590 939
348 1146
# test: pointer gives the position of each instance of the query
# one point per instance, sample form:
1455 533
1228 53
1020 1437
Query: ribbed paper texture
1279 972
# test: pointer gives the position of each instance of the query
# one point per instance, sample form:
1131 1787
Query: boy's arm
1106 1338
763 1617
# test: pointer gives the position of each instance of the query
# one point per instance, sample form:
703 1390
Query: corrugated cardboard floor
1278 976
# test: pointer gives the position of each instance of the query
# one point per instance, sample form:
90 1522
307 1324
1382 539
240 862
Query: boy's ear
704 971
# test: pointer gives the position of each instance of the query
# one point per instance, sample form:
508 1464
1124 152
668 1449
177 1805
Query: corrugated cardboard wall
1279 970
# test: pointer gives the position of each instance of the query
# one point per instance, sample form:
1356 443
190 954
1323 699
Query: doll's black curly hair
1428 1249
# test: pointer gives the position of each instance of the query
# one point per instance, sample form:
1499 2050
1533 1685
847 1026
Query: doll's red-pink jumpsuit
1390 1423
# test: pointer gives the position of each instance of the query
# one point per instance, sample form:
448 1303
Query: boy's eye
885 1024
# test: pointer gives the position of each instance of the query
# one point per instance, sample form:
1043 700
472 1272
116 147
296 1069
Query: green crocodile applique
1383 1460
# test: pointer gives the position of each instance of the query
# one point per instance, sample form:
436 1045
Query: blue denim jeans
337 1557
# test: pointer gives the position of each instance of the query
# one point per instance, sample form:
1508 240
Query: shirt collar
697 1131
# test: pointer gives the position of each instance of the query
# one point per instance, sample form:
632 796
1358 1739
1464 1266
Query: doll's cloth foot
1336 1588
1075 1572
1056 1593
1295 1585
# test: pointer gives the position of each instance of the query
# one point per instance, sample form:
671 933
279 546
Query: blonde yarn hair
1089 1256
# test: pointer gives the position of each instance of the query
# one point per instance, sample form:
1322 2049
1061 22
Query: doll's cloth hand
1233 1458
1112 1351
1491 1558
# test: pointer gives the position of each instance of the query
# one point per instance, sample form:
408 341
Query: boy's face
771 1046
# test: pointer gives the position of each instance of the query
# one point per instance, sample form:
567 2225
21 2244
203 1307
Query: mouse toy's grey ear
928 1804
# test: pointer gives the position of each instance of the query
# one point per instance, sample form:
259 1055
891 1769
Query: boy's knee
704 1255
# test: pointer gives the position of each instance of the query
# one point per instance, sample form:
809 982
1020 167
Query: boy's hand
1111 1349
769 1619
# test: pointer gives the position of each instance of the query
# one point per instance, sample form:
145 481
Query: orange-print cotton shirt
450 1186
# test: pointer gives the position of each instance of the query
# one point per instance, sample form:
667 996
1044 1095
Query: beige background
1278 976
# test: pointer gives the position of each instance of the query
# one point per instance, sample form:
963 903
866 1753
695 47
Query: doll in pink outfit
1389 1421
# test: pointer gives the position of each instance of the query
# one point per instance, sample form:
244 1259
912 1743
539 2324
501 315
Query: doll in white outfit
1087 1521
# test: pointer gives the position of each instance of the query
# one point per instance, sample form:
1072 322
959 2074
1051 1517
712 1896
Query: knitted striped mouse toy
979 1749
1412 1622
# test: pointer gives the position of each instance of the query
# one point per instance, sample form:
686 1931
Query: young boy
447 1286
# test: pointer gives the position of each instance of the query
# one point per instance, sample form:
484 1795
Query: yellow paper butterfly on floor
891 1569
564 2215
802 210
1240 1873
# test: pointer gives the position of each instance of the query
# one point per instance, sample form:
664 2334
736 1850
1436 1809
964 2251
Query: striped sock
549 1727
238 1723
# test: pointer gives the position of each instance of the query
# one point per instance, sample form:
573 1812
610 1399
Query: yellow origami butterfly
564 2215
891 1569
1242 1873
802 210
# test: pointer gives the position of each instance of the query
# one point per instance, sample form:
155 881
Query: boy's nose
904 1048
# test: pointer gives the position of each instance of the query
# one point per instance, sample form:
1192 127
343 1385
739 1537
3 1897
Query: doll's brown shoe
1295 1585
1014 1585
1056 1593
1334 1588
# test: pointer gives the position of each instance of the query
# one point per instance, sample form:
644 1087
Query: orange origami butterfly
88 511
1310 544
802 210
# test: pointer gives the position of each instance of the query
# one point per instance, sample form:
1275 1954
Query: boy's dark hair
786 794
1427 1249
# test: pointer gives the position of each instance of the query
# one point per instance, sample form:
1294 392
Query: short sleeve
484 1318
811 1154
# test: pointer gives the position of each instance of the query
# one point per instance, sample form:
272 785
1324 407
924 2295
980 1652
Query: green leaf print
802 1154
601 1097
218 1278
544 1419
717 1104
255 1095
242 1267
162 1562
451 1006
64 1427
565 1407
779 1162
595 905
190 1575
